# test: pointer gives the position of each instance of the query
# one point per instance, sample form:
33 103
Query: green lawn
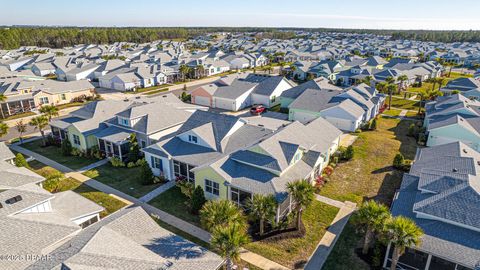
294 252
108 202
17 116
173 201
392 112
344 252
404 104
55 153
370 173
124 179
156 91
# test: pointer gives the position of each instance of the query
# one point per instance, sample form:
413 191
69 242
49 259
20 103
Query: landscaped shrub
52 181
328 170
94 152
116 162
134 153
146 174
198 200
349 153
398 161
411 130
66 147
373 124
20 161
131 164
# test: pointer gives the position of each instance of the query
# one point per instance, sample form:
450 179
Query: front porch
418 260
10 108
114 142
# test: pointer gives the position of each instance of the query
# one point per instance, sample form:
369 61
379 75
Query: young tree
40 122
262 208
21 128
198 200
370 218
146 174
228 240
3 129
184 70
221 213
349 153
373 125
402 79
302 193
134 152
49 111
20 160
402 233
398 161
66 147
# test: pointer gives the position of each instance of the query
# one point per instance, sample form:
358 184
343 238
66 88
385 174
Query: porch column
385 261
429 259
119 151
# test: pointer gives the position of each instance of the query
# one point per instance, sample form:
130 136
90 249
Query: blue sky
381 14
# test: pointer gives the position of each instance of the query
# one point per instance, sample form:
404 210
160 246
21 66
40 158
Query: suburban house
345 109
81 125
131 78
293 152
447 122
25 95
151 122
75 72
235 93
128 239
203 138
469 87
33 220
43 69
288 96
441 193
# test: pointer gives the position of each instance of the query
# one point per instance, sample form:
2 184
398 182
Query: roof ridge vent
455 170
14 199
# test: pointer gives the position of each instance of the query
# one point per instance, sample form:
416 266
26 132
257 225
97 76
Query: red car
257 109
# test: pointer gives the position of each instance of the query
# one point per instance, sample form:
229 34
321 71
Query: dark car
258 109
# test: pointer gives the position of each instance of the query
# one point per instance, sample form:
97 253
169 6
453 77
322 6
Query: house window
76 139
63 97
181 169
44 100
212 187
124 122
297 157
273 99
144 144
192 138
239 197
156 163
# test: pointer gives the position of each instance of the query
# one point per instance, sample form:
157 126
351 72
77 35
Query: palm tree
440 82
3 129
371 216
201 71
228 241
184 69
3 98
262 208
40 122
402 79
302 193
221 213
390 88
50 111
21 128
390 80
402 233
381 87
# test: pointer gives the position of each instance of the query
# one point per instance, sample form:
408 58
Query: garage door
204 101
303 117
225 104
342 124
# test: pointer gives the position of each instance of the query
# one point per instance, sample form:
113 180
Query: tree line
58 37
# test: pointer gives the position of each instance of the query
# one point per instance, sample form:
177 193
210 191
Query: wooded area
58 37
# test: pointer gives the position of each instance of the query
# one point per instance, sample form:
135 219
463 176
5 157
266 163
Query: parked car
258 109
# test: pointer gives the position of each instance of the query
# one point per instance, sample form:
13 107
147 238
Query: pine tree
198 200
20 161
146 174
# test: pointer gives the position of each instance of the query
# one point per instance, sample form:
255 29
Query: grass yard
392 112
294 253
124 179
173 201
344 252
156 91
108 202
55 153
404 104
370 174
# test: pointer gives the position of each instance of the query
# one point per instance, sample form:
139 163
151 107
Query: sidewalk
191 229
331 236
93 165
154 193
